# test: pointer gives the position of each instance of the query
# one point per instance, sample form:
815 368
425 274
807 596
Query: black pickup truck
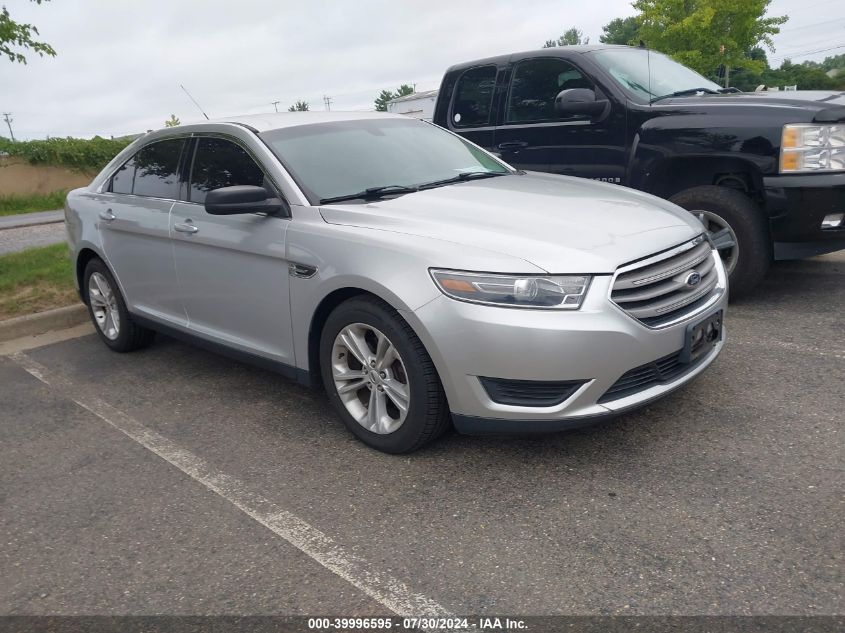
764 172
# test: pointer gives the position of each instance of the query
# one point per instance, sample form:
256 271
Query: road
175 481
30 230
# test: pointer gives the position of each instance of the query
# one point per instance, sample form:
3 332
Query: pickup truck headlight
807 148
557 292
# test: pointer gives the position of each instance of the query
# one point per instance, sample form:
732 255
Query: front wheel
379 377
737 228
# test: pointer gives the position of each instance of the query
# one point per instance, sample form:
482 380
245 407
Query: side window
221 163
474 97
121 180
156 168
535 84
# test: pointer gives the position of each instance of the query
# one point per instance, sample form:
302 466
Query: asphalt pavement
175 481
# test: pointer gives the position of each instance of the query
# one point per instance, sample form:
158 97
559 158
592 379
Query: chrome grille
656 291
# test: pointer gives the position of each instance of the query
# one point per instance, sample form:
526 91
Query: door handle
512 145
187 227
107 215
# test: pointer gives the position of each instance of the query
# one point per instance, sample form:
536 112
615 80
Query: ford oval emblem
693 279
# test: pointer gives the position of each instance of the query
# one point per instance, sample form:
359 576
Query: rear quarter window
474 97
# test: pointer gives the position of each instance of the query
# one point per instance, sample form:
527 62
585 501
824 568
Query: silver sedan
422 281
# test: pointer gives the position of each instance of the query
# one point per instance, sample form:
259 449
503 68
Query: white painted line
390 592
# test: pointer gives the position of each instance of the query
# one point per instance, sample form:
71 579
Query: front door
232 271
134 224
533 136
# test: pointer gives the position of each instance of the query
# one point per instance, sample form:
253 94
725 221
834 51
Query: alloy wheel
722 236
370 378
104 306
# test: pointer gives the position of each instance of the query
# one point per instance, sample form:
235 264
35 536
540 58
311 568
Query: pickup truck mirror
240 199
579 101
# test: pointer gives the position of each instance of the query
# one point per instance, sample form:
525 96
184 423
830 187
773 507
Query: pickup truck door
532 135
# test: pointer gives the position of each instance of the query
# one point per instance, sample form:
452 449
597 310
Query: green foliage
36 279
705 34
85 155
16 35
299 106
13 204
387 95
625 31
572 37
173 121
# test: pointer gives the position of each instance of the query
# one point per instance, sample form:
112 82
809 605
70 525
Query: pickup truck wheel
737 228
379 377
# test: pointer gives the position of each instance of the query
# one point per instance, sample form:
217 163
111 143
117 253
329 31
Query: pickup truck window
647 75
535 84
474 97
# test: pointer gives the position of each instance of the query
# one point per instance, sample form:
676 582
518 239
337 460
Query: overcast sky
120 62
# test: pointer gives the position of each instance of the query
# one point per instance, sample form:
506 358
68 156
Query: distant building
419 105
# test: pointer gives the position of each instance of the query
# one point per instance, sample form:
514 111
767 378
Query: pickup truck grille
660 289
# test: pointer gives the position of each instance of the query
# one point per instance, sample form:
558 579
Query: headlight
812 148
559 292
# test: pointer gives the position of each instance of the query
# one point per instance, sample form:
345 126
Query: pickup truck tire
371 361
739 230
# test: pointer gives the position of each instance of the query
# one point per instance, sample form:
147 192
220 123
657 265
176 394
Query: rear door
134 224
532 135
472 110
232 272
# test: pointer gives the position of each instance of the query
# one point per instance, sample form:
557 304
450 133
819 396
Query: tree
625 31
706 34
299 106
173 121
386 95
572 37
17 35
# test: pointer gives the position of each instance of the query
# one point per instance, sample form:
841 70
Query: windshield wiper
687 92
373 193
464 175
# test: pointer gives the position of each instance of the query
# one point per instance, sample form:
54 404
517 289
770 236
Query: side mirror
579 101
240 199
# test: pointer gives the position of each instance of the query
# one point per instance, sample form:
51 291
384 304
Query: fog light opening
833 221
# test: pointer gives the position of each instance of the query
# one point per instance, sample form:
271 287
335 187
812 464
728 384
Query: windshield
342 158
629 67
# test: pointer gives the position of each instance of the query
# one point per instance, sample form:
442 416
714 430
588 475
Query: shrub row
86 155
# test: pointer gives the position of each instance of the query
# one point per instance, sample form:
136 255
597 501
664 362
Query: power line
275 104
327 101
803 53
807 26
6 116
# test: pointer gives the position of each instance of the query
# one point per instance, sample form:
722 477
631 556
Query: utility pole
327 101
275 105
6 116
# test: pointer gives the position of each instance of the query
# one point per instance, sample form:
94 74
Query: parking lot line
390 592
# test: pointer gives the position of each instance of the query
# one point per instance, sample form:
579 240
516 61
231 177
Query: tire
98 282
366 319
719 208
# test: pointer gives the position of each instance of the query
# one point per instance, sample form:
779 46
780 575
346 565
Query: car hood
824 104
558 223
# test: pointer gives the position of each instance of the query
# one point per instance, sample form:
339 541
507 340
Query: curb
40 322
28 224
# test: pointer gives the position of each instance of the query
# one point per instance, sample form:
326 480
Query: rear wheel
738 229
379 377
108 310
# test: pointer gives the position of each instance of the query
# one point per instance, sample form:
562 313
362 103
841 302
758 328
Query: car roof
554 51
277 120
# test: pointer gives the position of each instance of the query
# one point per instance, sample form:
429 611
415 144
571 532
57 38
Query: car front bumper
597 344
797 205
